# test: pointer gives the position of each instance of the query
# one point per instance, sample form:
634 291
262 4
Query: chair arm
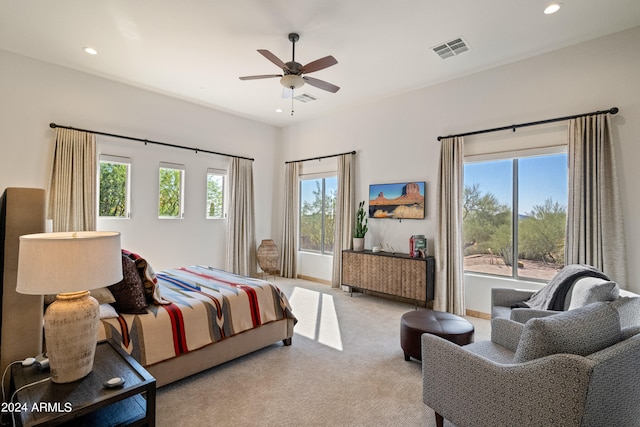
470 390
522 315
506 333
507 297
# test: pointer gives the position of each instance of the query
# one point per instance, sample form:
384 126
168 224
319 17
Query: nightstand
86 402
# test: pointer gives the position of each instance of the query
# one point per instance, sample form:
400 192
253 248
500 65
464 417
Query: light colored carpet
344 368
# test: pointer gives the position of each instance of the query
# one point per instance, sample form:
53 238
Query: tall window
317 214
171 191
114 186
514 215
215 193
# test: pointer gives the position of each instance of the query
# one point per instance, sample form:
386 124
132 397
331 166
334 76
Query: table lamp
69 264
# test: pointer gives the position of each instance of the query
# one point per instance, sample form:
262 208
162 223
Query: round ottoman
445 325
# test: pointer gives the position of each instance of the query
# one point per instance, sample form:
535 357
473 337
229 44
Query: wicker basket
268 256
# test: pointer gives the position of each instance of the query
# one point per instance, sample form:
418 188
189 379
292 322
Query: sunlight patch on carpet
317 317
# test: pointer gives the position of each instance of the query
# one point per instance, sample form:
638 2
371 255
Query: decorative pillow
591 289
103 295
148 277
107 311
129 292
582 331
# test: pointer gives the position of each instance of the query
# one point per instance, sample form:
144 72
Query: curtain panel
449 286
288 260
595 230
344 216
72 202
241 241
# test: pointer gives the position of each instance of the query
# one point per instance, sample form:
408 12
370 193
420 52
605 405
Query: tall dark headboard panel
22 211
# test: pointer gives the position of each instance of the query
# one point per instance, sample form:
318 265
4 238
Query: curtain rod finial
614 110
52 125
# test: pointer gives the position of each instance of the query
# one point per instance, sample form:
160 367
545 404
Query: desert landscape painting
397 201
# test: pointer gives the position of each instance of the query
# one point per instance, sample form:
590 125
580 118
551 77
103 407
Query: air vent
305 97
452 48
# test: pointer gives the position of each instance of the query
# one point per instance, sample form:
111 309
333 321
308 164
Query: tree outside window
514 216
170 195
114 187
317 214
215 193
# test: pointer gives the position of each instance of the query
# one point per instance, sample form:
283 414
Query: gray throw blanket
552 296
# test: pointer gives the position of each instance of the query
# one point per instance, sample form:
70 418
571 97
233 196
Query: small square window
114 186
171 191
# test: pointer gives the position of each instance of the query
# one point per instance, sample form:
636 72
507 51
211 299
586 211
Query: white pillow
107 311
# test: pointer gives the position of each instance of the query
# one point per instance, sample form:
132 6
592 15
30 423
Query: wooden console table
393 274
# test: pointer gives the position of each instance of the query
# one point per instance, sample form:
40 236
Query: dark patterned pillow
148 277
129 292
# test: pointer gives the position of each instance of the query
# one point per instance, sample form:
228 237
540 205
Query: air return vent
452 48
305 97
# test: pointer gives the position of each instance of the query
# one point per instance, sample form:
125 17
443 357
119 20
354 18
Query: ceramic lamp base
70 329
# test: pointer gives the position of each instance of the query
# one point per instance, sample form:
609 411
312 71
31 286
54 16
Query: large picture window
514 215
317 214
114 186
171 191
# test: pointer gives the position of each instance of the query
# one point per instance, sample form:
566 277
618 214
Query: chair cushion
582 331
588 290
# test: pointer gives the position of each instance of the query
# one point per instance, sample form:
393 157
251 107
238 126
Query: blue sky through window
541 178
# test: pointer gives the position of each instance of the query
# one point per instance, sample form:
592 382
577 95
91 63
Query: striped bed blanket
206 305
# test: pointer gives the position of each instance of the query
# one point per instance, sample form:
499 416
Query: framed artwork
397 201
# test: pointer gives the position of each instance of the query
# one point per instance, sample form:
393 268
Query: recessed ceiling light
90 51
552 8
278 110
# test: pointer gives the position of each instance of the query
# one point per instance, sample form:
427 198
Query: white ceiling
197 49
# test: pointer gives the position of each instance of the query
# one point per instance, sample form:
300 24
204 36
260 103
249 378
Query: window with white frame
216 180
171 190
514 213
317 213
114 186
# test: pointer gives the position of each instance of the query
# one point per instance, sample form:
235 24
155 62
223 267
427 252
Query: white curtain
241 242
72 190
344 215
595 232
290 221
449 286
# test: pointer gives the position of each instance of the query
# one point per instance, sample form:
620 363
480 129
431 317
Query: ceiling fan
292 72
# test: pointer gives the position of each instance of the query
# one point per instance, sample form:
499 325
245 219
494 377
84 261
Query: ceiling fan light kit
292 71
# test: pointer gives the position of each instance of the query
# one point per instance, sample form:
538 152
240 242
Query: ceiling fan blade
271 57
264 76
319 64
321 84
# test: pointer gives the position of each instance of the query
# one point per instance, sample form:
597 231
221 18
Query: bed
195 317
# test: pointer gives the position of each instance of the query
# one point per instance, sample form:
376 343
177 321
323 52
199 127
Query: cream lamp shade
52 263
69 264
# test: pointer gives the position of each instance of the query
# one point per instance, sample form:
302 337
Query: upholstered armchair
575 368
578 293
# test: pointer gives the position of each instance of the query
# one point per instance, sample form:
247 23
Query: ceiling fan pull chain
292 100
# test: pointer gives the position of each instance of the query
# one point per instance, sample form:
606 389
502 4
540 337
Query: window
317 214
171 191
514 215
215 193
114 186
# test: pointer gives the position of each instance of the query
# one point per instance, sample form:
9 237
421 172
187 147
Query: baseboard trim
478 314
313 279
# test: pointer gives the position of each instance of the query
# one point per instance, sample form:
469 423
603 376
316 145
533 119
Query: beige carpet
345 368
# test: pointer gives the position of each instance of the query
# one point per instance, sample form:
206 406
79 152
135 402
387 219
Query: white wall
35 93
396 138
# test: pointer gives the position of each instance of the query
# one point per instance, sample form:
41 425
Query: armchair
577 368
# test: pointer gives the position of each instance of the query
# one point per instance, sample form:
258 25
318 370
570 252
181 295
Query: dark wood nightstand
86 402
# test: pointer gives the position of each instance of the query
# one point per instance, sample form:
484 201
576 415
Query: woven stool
445 325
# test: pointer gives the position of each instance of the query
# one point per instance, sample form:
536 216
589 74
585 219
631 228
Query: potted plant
361 228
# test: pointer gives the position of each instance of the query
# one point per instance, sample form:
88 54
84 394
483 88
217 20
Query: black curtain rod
148 141
613 110
319 157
